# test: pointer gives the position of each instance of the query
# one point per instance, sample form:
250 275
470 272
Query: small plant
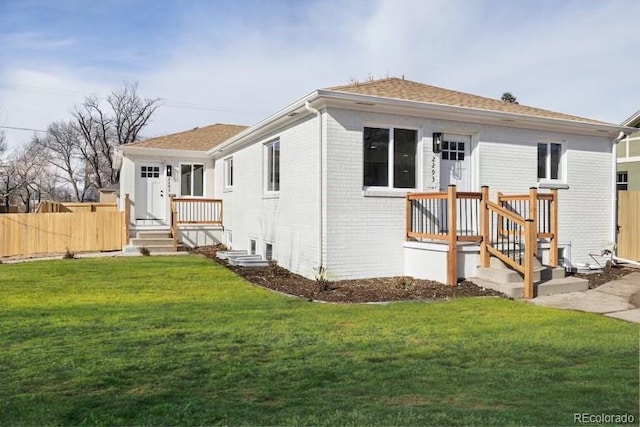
322 280
276 271
404 282
69 255
144 251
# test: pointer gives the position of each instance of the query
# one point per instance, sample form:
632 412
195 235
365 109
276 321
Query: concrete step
542 273
549 287
153 234
562 286
149 241
252 263
227 254
158 248
236 260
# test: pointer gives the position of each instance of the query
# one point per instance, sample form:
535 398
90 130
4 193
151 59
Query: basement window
268 251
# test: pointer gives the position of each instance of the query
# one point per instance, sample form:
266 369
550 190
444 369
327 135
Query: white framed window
268 251
390 157
253 246
622 181
550 161
192 180
149 171
272 166
228 173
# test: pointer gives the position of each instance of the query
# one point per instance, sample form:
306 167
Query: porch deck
509 230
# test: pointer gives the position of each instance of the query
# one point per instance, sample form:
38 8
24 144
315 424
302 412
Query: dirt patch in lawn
351 291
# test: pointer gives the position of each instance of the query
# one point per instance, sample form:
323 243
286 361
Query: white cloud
566 57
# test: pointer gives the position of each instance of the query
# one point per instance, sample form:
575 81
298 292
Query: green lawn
182 341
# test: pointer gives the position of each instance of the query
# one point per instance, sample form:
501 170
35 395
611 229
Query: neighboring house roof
397 88
633 121
197 139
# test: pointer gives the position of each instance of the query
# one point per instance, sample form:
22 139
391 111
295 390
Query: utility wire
19 128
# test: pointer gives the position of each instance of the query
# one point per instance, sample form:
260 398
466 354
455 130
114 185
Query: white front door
455 162
150 192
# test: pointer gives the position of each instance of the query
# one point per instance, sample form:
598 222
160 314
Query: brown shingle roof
198 139
407 90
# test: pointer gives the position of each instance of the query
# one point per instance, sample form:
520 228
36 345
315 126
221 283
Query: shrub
144 251
69 255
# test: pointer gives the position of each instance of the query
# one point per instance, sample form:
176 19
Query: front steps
242 259
546 280
154 241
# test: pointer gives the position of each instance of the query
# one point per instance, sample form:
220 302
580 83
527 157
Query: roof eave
633 121
289 113
477 114
161 152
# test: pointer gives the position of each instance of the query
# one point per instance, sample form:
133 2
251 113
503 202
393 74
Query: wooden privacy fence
48 206
628 244
509 229
52 233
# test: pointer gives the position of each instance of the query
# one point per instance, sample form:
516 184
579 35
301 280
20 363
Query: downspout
318 114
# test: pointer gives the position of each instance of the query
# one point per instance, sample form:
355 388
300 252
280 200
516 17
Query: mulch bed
378 289
351 291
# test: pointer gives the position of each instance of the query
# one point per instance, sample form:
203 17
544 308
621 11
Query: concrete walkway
111 254
612 299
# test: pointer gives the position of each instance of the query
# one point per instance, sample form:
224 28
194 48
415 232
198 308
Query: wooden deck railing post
484 227
407 228
127 219
530 241
174 222
553 225
533 215
452 255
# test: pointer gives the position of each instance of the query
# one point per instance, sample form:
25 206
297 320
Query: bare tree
102 127
28 169
61 143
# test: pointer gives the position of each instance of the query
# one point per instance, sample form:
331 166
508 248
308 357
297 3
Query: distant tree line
74 158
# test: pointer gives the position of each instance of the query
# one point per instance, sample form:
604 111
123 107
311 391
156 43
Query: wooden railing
543 209
436 216
193 211
502 229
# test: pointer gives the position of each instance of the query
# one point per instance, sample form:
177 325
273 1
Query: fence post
553 221
484 226
533 214
127 219
452 255
529 242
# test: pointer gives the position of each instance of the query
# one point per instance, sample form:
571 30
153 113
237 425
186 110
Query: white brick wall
364 235
508 164
289 221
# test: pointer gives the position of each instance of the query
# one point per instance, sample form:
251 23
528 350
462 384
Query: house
628 156
154 170
324 181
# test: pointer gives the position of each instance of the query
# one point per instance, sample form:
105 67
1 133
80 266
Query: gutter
321 265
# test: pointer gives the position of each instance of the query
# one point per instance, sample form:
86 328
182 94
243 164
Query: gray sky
239 61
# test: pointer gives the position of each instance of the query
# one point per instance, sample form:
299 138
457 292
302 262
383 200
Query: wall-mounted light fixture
168 170
437 142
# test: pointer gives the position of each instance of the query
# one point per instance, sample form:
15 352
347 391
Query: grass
182 341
